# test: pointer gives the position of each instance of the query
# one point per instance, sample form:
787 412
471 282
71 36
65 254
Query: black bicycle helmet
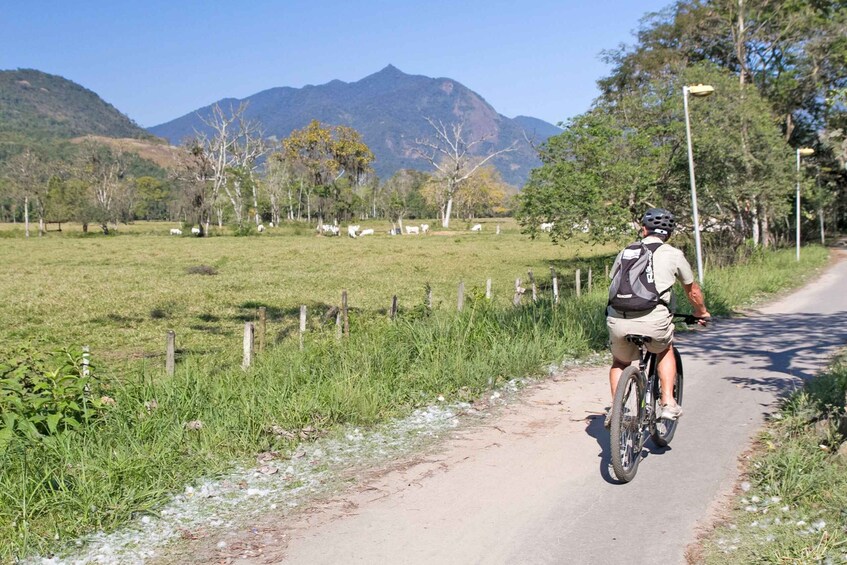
659 221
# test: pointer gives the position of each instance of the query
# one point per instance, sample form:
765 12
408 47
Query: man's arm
698 301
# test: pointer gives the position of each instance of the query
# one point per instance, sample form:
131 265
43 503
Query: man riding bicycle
663 266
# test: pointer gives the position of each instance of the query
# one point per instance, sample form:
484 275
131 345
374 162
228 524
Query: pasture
120 294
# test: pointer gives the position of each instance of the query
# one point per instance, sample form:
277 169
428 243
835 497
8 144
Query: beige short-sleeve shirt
669 265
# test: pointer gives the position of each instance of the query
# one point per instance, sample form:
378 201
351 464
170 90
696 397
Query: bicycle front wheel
626 438
662 430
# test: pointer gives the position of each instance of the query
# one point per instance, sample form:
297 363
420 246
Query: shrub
45 394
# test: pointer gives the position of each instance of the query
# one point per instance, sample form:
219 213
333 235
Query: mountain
36 105
389 109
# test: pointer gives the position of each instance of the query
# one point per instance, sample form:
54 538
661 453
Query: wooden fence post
488 289
589 279
302 326
497 232
263 317
428 296
460 303
338 325
345 317
578 282
86 359
248 345
393 311
534 288
607 271
518 293
555 285
170 356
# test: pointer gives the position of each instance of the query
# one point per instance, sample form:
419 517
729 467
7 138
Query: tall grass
162 432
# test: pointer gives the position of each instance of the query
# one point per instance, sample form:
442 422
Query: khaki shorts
657 325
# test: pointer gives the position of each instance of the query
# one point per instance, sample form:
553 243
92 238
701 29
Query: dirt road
532 485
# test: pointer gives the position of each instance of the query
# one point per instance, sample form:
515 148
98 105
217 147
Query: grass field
120 294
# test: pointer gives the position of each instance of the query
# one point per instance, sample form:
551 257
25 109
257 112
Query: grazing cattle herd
355 230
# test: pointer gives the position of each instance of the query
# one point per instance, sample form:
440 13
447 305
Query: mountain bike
637 405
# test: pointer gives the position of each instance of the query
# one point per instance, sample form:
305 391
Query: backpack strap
653 247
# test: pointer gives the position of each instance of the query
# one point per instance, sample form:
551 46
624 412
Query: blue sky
156 60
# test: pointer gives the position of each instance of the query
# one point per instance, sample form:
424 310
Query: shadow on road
596 430
790 347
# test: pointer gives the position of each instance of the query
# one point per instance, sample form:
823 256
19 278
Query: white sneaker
671 411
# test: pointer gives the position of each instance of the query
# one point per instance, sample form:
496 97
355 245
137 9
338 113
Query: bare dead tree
451 155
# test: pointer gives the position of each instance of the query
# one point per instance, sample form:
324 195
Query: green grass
121 294
795 510
136 455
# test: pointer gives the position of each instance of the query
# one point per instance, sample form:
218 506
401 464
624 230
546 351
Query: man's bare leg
615 374
667 375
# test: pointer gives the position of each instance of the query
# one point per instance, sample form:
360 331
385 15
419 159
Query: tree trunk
766 231
41 229
445 221
820 217
754 223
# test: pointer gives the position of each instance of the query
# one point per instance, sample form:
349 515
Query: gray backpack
633 287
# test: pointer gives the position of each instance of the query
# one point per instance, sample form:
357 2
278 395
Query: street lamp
699 90
801 152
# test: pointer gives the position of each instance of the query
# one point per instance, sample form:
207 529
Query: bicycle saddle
638 339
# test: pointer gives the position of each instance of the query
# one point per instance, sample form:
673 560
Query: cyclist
669 265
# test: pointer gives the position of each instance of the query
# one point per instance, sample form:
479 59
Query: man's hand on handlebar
691 319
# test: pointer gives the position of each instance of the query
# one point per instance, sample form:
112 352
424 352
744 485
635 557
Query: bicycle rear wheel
662 430
626 438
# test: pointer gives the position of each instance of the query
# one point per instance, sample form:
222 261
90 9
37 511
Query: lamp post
801 152
699 90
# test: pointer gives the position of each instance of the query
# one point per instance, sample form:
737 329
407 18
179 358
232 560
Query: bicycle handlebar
690 319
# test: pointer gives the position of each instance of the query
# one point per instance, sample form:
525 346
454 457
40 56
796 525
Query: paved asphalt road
534 485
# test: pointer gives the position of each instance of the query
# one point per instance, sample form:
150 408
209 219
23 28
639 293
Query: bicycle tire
662 430
626 436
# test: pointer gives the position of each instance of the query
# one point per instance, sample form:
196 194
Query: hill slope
37 105
389 109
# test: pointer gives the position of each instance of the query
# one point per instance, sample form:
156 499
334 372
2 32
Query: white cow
548 226
366 232
176 231
424 228
477 227
413 230
351 230
195 231
260 228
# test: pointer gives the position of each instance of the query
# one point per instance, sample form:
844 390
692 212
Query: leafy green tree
152 200
628 154
323 155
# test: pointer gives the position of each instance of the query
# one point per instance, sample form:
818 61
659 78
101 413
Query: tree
279 183
484 194
628 154
323 155
452 155
398 193
232 151
152 198
104 173
28 177
194 173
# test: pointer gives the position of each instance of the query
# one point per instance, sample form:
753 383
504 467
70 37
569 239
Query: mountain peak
387 108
